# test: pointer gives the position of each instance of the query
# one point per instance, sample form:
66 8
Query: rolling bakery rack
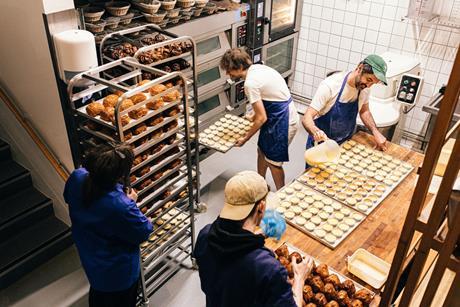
153 117
163 50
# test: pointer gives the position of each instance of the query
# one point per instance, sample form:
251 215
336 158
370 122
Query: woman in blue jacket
107 226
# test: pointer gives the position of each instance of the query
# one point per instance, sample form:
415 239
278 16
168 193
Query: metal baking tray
398 165
140 149
375 200
342 278
313 209
176 186
219 124
164 178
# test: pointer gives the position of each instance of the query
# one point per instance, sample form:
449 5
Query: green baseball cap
379 67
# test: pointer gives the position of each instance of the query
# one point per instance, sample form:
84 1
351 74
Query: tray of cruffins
325 286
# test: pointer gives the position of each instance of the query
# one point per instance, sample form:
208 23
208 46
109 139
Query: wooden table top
378 233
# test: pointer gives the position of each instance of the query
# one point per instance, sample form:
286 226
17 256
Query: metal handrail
49 155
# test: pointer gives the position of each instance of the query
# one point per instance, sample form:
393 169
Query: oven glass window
283 16
279 56
208 76
208 105
209 45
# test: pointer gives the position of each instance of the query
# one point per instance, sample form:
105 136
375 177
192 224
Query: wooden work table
378 233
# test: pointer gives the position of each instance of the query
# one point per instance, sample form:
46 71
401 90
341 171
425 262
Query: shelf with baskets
153 117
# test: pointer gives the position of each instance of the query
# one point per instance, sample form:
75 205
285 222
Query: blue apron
273 136
340 122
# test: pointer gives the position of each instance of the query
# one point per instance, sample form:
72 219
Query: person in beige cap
234 266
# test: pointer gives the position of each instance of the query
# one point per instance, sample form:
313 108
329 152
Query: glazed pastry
308 293
155 121
363 295
138 98
157 89
356 303
171 96
320 299
155 105
125 104
348 286
107 114
138 113
94 109
139 129
333 279
316 284
282 251
124 120
110 100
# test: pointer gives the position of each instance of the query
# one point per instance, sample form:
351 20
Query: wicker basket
126 20
149 7
155 18
173 13
197 12
185 3
201 3
117 8
163 23
186 17
186 12
97 27
93 14
112 22
168 5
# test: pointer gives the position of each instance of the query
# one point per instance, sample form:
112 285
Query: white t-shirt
329 88
265 83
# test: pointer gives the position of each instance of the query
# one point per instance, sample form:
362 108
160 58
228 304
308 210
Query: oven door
281 54
211 47
212 104
284 16
210 76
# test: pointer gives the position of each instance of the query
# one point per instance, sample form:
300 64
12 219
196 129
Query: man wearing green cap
338 100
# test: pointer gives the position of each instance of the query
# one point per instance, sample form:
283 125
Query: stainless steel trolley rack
164 174
142 38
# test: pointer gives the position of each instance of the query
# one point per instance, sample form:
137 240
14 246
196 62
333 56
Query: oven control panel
409 89
239 92
241 35
256 23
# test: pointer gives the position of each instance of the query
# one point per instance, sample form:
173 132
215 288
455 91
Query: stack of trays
374 164
317 215
225 132
347 186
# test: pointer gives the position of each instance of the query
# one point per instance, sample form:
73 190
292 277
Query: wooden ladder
429 229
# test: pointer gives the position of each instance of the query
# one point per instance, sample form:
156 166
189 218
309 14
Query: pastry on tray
138 98
157 89
110 100
155 105
94 109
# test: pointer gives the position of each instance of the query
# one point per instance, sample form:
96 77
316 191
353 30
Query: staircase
30 234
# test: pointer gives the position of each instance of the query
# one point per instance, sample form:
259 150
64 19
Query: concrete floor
62 282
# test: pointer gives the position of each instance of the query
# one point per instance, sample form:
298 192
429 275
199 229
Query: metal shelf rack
163 174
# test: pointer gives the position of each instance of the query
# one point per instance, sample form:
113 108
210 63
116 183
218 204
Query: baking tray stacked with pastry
169 223
325 286
374 164
317 215
223 134
346 186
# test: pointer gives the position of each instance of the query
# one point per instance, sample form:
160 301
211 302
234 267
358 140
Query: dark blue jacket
107 234
236 270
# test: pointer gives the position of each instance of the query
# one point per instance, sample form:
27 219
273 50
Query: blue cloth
244 277
273 136
340 122
107 234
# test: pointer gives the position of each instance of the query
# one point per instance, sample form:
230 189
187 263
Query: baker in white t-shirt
274 113
338 100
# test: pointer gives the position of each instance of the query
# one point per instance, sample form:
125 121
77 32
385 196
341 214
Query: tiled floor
61 282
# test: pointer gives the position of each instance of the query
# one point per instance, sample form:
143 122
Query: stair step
30 240
19 203
24 220
35 259
13 178
5 151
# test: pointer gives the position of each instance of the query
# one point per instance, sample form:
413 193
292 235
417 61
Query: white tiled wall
338 34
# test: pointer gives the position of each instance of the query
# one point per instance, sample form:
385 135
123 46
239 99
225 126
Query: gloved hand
273 224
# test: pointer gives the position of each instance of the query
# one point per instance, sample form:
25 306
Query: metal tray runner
219 126
342 278
317 218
